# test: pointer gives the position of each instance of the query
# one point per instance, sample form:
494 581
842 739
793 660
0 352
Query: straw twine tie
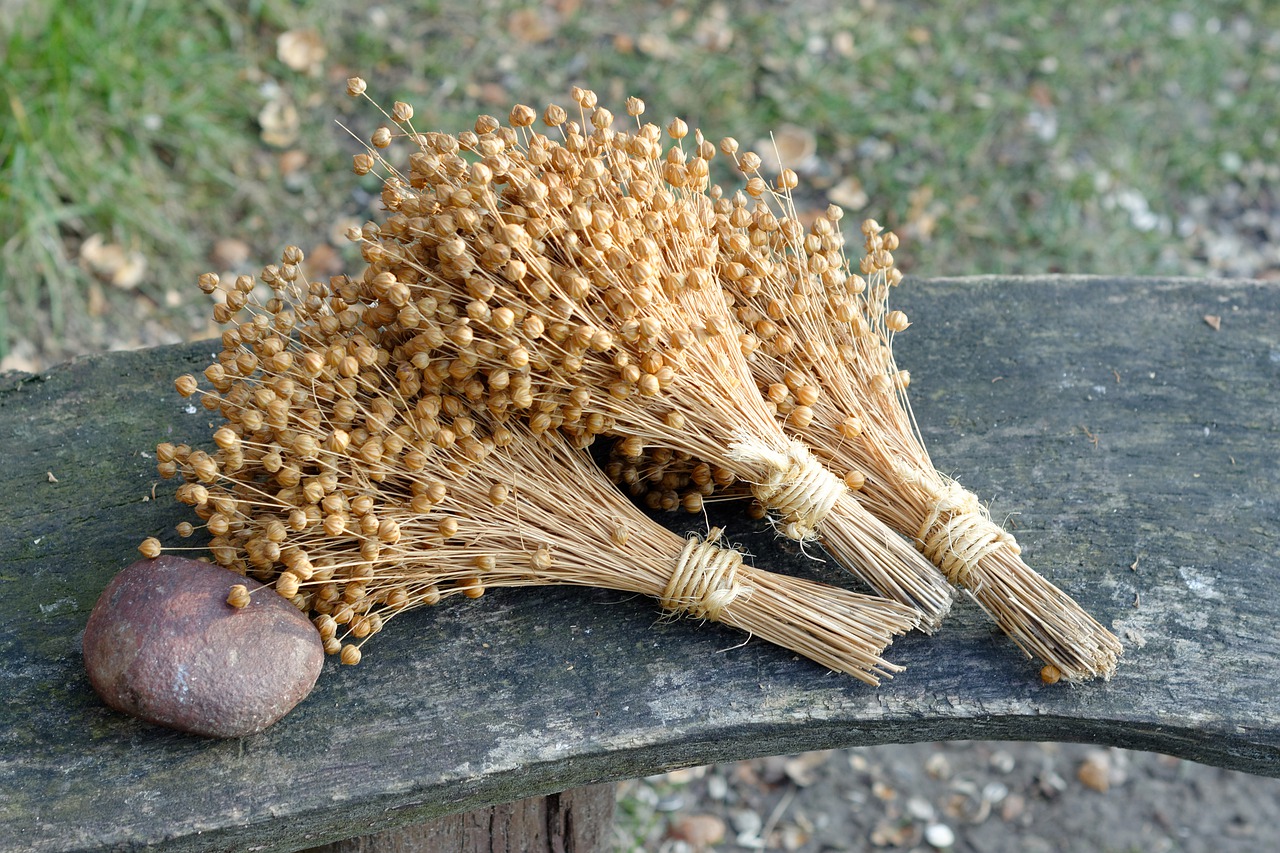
705 581
798 487
958 533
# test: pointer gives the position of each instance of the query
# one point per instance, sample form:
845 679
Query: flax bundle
570 282
827 366
333 484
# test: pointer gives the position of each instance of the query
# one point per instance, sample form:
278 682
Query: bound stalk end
973 552
1044 621
841 630
892 567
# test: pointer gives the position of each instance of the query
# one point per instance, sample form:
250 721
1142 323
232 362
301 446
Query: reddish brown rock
162 644
699 831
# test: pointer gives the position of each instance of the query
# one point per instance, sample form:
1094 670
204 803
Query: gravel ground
963 796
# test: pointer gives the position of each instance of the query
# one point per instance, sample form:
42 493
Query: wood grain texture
1132 447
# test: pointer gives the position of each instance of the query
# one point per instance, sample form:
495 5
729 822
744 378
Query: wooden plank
1136 444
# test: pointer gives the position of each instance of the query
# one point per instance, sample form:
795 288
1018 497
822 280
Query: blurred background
143 142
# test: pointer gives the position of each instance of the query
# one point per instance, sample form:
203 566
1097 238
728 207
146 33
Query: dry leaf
338 229
803 769
712 31
529 26
130 274
490 93
292 160
1214 321
889 833
301 50
322 261
1095 772
96 253
789 146
656 46
882 791
699 831
229 253
112 263
1012 807
849 194
842 43
279 121
22 359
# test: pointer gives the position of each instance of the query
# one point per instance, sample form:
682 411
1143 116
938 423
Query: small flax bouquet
826 366
348 478
568 278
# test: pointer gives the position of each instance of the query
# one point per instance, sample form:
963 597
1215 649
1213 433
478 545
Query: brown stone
162 644
1095 771
699 831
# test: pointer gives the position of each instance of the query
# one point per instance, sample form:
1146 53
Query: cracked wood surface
1132 447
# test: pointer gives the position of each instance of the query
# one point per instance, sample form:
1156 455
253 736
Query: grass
132 121
996 137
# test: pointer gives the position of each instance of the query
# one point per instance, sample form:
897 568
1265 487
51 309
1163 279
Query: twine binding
958 532
797 487
705 581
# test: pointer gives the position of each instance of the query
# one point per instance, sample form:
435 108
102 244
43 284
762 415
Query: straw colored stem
955 531
1043 620
952 528
842 630
590 535
864 544
809 499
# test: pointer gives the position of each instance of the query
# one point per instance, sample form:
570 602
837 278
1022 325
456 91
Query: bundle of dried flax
390 434
826 365
357 490
570 279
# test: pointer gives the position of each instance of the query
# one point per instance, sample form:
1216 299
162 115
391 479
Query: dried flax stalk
334 483
568 279
948 522
826 365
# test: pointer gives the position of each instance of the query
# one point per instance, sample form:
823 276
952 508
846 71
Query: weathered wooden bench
1132 445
